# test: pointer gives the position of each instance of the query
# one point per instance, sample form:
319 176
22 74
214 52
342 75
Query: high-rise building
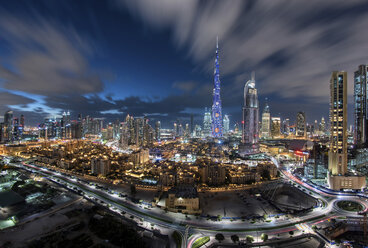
8 125
266 122
124 135
158 130
286 126
197 131
250 131
216 106
191 124
301 127
275 127
338 113
2 133
337 155
226 124
315 128
207 123
22 120
322 126
360 106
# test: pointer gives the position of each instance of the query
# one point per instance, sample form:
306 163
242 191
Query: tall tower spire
216 106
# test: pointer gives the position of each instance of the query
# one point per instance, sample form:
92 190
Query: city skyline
188 124
98 74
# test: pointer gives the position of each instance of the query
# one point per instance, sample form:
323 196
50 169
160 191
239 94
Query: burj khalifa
216 106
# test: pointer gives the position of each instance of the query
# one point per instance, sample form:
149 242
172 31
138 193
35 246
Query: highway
199 228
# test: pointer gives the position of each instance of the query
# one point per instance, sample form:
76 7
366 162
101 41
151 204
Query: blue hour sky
155 58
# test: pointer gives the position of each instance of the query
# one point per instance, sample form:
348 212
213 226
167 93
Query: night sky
155 58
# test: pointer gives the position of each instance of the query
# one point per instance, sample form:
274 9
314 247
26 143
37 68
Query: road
146 216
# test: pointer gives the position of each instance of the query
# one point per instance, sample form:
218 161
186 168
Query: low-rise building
213 174
100 166
183 199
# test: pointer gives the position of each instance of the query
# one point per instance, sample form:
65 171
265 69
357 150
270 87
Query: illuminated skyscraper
8 125
337 156
338 176
266 123
216 106
226 124
286 126
301 127
250 132
158 130
275 127
360 106
322 126
207 123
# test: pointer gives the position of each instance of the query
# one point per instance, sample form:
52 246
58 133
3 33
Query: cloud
8 99
185 86
292 46
49 59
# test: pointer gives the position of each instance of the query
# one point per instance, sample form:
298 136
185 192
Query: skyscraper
207 123
275 127
360 106
158 130
8 125
301 127
216 106
286 126
337 155
266 122
226 124
322 126
191 124
250 133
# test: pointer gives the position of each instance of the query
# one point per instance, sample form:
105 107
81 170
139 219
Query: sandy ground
231 204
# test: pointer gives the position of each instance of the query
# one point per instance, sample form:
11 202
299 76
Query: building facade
301 126
275 127
206 123
266 123
338 176
360 106
216 106
250 129
226 124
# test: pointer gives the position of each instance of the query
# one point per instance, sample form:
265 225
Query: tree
314 227
219 237
264 237
249 238
235 238
291 233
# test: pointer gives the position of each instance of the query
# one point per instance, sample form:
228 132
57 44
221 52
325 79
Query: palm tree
264 237
235 238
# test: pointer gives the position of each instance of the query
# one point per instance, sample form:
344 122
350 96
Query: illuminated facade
301 127
266 123
207 123
338 176
250 130
226 124
360 106
275 127
216 106
337 163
